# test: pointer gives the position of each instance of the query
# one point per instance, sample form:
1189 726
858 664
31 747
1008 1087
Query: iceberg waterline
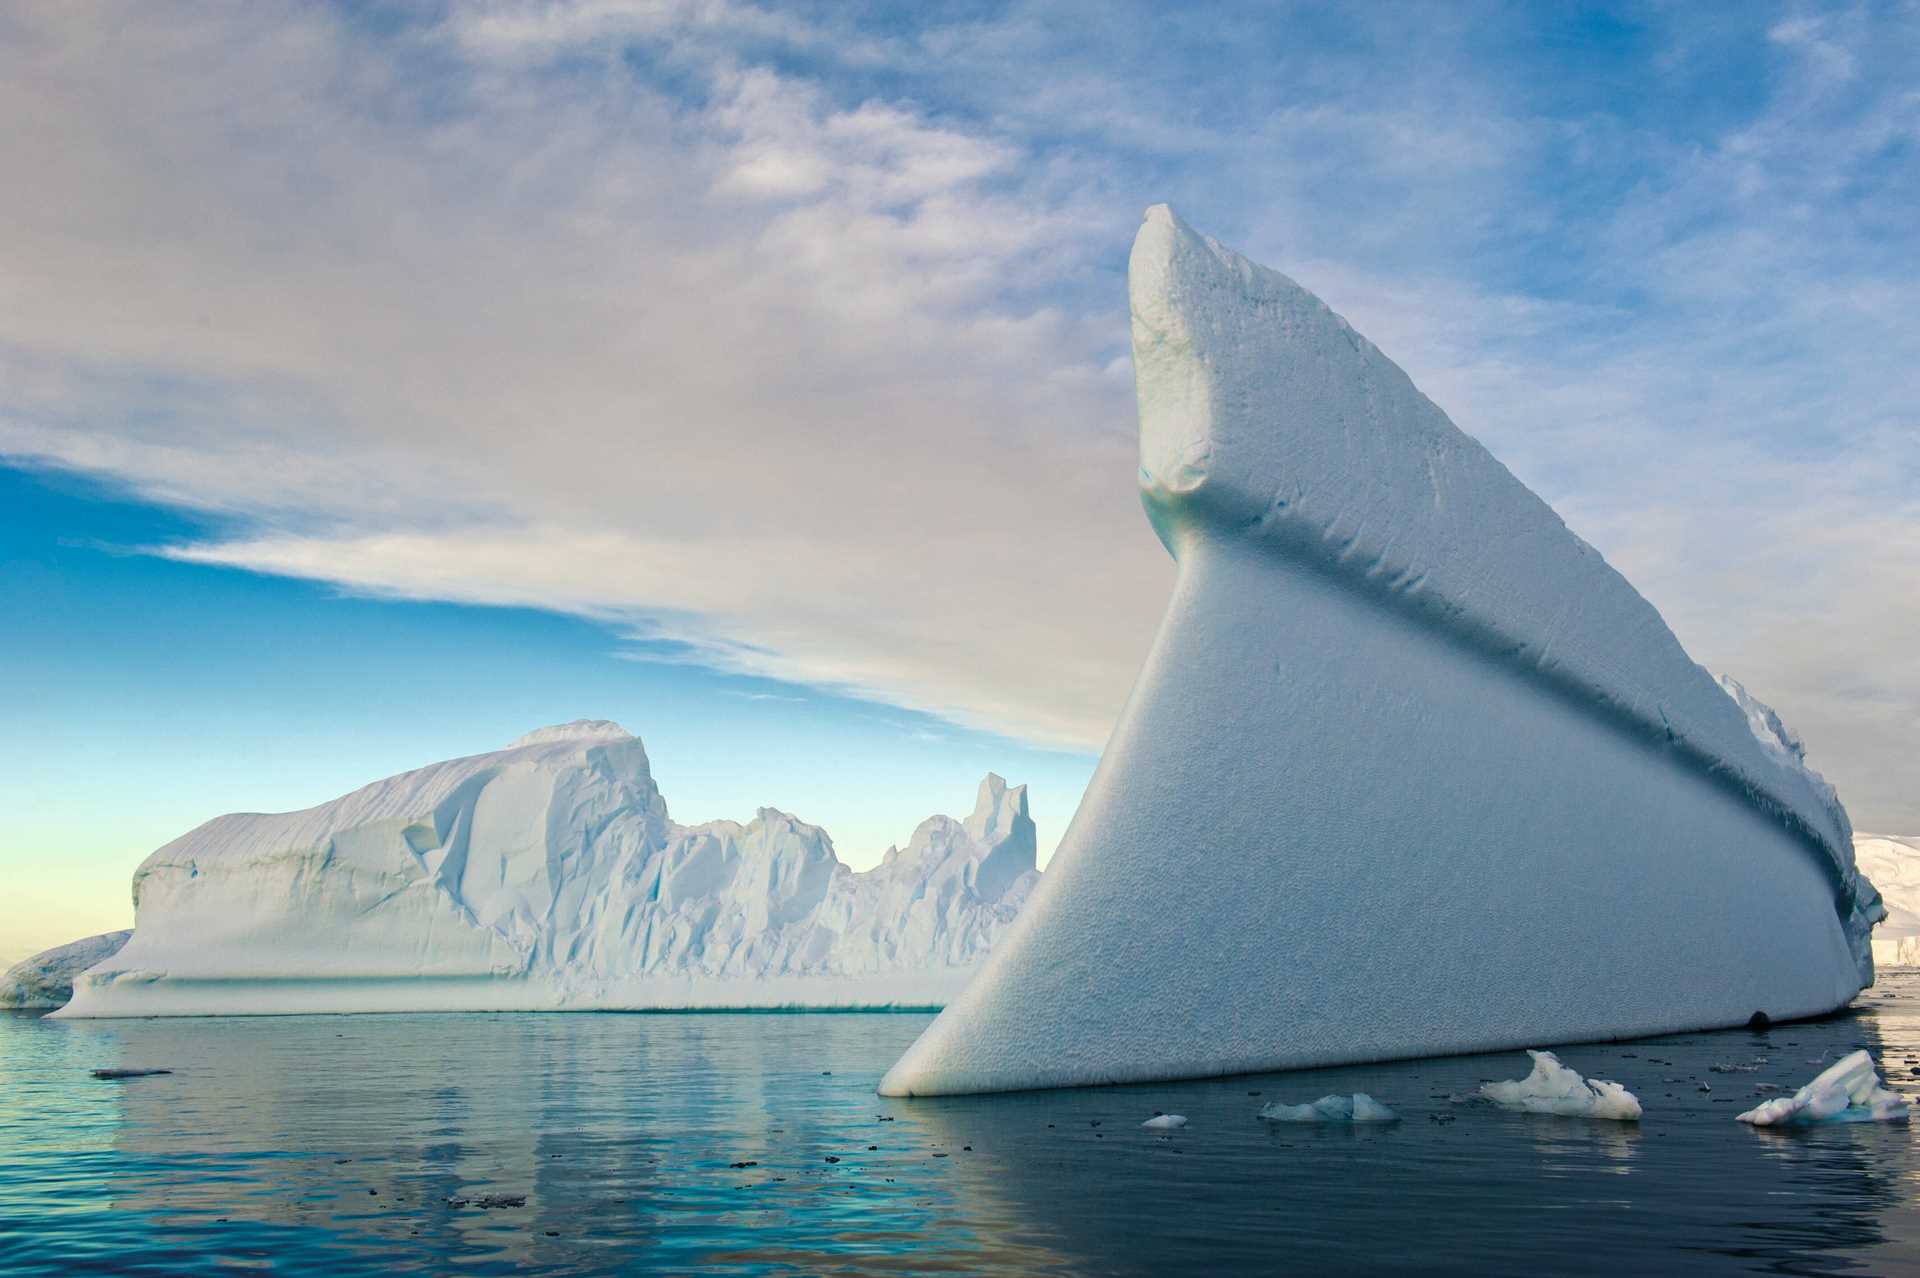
549 875
1390 684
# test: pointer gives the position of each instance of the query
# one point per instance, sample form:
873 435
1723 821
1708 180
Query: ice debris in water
1552 1088
1357 1108
1166 1122
1848 1091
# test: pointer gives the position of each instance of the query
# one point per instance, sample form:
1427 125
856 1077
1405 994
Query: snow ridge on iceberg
549 875
1391 690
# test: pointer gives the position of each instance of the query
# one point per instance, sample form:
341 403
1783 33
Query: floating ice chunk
1848 1091
1357 1108
1166 1122
1552 1088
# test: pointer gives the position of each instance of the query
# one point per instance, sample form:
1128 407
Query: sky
379 382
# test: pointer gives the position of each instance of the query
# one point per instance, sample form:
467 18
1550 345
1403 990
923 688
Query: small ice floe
1552 1088
1734 1067
1357 1108
1848 1091
1165 1122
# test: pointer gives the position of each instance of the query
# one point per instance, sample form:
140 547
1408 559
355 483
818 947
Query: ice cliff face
46 979
1367 482
1894 866
549 874
1409 769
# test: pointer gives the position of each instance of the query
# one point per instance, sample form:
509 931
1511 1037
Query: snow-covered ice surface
1357 1108
549 875
46 979
1848 1091
1552 1088
1894 866
1391 685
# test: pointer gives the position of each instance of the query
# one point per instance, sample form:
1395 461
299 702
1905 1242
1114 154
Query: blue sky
379 382
150 695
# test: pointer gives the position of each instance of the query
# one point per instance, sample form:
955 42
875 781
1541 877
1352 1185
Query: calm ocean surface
344 1145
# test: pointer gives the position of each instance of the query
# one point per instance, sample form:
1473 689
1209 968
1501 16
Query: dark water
333 1145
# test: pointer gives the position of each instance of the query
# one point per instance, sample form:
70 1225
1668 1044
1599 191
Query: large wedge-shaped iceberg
1409 770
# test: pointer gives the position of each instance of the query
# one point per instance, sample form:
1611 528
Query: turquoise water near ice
347 1145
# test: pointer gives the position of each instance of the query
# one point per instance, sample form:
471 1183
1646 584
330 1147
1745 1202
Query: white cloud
832 386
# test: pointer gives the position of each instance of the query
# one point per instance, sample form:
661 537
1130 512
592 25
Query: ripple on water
484 1144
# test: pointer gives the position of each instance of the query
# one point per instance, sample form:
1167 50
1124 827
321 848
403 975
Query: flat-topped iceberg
1409 770
549 875
1552 1088
1847 1091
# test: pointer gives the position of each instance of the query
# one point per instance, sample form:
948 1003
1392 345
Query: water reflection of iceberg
1457 1187
621 1132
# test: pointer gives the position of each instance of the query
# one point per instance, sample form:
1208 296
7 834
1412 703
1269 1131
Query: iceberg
548 875
1894 865
1552 1088
1848 1091
1357 1108
1165 1122
46 979
1391 691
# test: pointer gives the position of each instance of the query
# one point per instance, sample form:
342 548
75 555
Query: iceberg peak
578 730
998 809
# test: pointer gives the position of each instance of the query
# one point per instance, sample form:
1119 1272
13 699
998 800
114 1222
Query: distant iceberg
46 979
1357 1108
1848 1091
1409 770
1894 865
1552 1088
548 875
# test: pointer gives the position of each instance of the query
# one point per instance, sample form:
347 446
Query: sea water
754 1144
